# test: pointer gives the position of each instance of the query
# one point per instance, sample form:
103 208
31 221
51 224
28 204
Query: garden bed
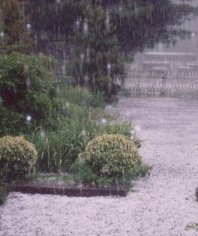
63 189
63 184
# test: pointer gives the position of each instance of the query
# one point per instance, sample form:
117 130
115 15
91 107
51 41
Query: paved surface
163 204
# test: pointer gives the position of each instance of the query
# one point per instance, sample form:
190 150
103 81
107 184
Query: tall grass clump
82 96
59 149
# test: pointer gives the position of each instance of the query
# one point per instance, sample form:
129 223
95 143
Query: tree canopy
139 23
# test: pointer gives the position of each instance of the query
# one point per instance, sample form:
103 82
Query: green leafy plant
82 173
17 158
112 156
26 89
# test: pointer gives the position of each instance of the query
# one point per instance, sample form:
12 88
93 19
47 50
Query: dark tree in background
15 28
52 23
112 26
143 23
96 60
139 23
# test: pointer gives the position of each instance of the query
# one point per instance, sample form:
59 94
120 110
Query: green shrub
17 158
82 96
26 89
112 156
83 174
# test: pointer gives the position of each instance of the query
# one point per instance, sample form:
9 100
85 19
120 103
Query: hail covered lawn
161 205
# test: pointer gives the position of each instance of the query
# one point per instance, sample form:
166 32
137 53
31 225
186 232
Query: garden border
32 188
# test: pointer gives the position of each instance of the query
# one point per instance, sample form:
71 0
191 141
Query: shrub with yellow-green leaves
112 156
17 158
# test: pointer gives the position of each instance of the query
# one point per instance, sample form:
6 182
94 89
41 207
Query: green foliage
61 16
26 89
96 60
17 158
139 23
82 97
143 24
16 35
112 155
59 149
82 174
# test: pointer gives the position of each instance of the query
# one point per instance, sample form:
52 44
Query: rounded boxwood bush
112 155
17 157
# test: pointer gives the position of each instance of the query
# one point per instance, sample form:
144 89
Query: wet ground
162 205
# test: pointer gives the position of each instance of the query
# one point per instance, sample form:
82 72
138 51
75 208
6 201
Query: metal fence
162 82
